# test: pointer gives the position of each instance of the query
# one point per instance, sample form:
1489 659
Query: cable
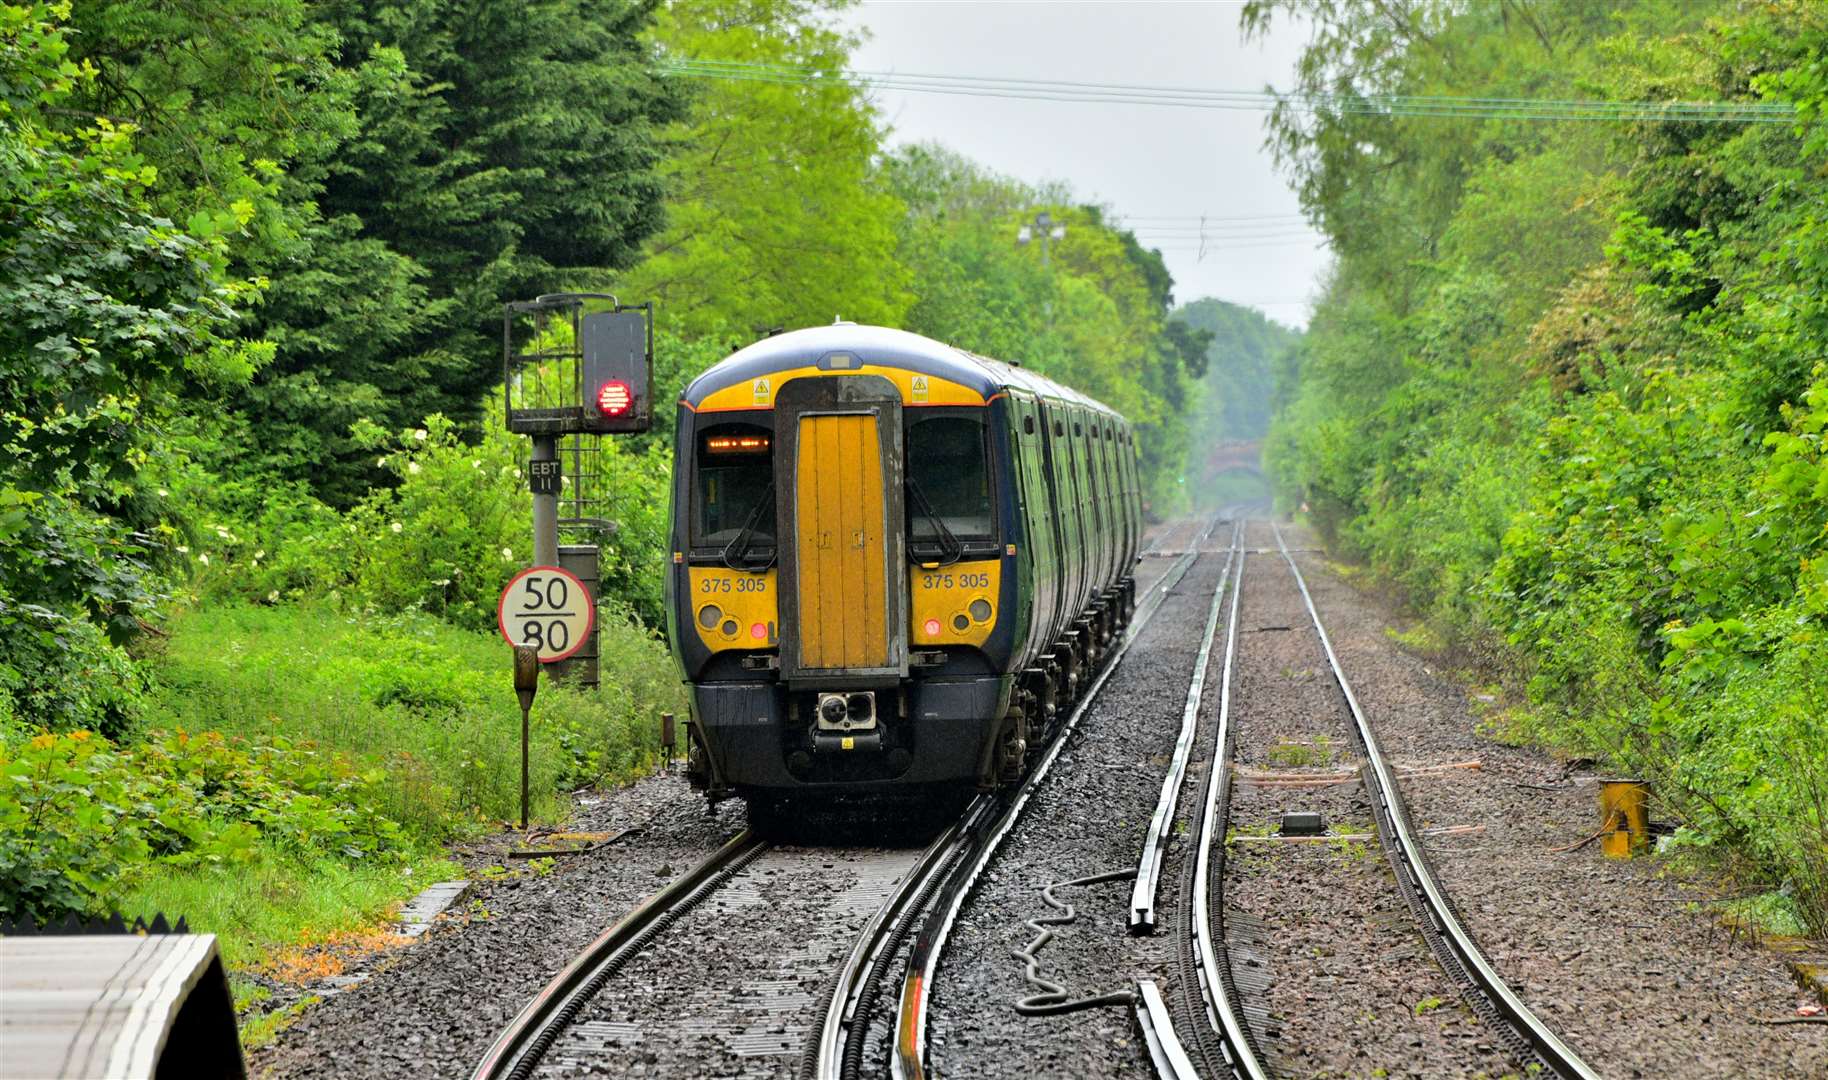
1384 105
1053 1000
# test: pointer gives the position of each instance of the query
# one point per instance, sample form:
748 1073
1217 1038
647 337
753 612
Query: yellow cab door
844 586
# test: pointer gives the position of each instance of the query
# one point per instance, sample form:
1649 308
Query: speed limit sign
549 608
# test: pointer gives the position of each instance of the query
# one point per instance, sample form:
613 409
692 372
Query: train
895 565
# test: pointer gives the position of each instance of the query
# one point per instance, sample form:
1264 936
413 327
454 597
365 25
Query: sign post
526 684
547 614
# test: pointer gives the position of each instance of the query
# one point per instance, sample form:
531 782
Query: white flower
412 466
507 553
204 559
261 554
380 461
273 597
475 463
396 526
418 434
163 493
183 550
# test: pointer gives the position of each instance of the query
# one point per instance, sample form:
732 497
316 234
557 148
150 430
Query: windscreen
948 474
734 486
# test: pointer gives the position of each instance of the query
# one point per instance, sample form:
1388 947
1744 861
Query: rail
1223 1042
908 1058
1161 822
517 1051
1530 1040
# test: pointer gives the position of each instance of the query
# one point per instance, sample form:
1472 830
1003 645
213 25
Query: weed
264 1028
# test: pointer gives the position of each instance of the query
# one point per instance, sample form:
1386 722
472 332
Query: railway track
929 904
921 890
1222 1041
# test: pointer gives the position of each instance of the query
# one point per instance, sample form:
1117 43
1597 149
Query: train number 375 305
961 581
724 585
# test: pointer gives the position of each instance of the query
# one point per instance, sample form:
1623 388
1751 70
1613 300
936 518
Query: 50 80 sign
549 608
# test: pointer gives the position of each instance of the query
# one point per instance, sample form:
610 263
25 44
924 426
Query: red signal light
614 398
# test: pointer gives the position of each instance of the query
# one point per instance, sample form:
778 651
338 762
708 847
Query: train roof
878 346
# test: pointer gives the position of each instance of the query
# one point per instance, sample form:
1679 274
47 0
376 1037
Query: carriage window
948 469
734 486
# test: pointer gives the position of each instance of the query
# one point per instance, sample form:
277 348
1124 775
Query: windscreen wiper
736 552
941 534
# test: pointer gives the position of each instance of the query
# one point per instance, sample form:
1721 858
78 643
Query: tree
1094 319
776 219
396 170
112 311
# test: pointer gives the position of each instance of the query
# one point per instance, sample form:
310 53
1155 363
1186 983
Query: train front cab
844 625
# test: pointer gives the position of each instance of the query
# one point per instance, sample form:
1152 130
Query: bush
91 818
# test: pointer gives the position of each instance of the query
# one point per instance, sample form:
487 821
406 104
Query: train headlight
709 616
980 609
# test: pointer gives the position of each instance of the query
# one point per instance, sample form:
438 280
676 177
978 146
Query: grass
1293 754
1772 914
430 704
256 909
428 711
1421 639
291 919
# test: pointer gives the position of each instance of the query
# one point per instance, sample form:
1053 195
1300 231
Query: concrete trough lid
115 1005
423 910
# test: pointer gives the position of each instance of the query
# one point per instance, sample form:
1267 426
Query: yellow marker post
1624 817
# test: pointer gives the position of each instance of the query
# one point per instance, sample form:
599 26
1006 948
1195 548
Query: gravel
734 988
1610 953
1088 818
433 1009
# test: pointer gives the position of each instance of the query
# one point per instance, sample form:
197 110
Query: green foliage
88 816
774 217
427 705
442 539
1244 356
1095 318
1566 387
1241 359
112 311
396 170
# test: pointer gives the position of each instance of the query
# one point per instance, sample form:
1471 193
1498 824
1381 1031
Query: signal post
575 367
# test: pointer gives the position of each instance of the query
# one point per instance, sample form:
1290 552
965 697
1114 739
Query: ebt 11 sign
549 608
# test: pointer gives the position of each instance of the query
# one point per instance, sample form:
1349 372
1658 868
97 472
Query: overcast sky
1148 163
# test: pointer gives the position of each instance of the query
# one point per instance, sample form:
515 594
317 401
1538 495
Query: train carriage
894 562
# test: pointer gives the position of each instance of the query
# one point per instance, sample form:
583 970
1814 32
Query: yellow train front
894 564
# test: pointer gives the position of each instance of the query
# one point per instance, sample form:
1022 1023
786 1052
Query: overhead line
1080 85
1390 105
